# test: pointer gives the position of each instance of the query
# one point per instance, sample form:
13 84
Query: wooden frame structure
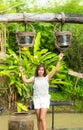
41 17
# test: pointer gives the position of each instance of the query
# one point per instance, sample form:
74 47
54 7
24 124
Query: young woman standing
41 97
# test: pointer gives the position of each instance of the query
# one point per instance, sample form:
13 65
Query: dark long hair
38 67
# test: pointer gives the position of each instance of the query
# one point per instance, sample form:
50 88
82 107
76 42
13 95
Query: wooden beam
73 73
44 17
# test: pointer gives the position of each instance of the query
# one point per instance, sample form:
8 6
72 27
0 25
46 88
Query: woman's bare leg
43 118
38 113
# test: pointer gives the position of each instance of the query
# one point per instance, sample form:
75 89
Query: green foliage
44 50
11 37
29 63
37 43
11 6
21 107
10 71
79 105
47 40
74 55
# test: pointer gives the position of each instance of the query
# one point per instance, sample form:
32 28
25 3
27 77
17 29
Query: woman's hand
51 74
21 69
30 80
60 56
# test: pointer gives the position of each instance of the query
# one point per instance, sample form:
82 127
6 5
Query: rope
60 49
24 17
20 56
63 17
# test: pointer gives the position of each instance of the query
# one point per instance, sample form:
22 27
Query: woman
41 97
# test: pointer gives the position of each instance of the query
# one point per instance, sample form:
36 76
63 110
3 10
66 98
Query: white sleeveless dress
41 97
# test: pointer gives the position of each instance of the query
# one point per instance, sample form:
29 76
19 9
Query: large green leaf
21 107
37 43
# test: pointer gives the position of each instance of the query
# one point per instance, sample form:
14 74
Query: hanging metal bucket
25 38
63 38
21 121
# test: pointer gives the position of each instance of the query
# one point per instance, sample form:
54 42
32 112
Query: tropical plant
29 63
9 69
44 52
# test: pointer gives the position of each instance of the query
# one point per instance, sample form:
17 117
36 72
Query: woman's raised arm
52 73
24 79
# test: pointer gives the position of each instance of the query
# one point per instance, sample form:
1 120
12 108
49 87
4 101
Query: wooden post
2 41
73 73
43 17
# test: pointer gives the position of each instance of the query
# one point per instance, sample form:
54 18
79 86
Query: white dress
41 97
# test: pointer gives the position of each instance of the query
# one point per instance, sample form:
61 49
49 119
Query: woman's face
40 71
